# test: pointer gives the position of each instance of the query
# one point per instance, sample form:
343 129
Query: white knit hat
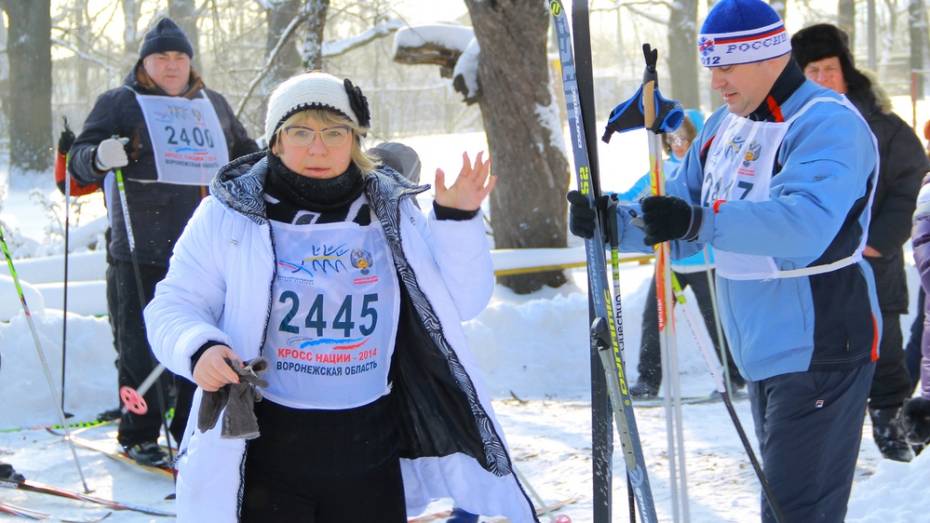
309 91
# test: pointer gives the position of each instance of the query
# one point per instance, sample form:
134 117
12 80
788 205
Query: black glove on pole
670 218
581 216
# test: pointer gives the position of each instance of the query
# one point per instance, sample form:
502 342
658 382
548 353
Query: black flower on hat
358 102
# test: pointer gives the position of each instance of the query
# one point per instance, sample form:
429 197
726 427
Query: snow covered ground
533 349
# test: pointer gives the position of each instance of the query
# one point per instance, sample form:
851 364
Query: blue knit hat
166 36
741 32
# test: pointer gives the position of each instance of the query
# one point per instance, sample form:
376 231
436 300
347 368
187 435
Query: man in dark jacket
822 50
167 134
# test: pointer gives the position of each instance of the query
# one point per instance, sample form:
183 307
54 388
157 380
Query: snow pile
9 298
537 347
466 67
41 279
450 36
896 493
91 375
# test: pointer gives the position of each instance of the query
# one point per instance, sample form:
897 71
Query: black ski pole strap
611 224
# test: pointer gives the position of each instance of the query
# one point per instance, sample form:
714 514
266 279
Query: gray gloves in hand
111 154
239 399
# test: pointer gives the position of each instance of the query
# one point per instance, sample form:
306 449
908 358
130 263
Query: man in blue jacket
784 201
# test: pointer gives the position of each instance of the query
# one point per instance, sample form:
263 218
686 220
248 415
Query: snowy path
550 444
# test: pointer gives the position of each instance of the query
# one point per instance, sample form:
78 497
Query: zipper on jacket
261 347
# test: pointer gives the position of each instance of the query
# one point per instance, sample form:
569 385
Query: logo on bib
361 260
751 155
732 148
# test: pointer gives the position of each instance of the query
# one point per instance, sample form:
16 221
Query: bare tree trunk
29 49
287 63
528 206
917 26
872 35
130 27
682 53
184 12
846 19
4 76
312 52
82 31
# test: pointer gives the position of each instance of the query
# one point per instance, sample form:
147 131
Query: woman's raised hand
473 185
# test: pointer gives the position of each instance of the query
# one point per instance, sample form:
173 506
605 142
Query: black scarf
312 194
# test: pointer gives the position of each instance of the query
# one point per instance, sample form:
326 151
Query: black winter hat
821 41
166 36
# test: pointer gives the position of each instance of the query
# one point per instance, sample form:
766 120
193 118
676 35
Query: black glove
65 139
238 399
670 218
915 420
581 215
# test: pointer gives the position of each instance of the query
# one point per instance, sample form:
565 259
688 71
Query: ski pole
140 290
64 319
667 337
133 399
721 340
717 373
42 359
613 236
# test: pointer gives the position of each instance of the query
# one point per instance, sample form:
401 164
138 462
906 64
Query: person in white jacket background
316 258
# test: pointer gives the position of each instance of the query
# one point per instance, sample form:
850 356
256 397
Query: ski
687 400
35 515
540 511
602 443
606 334
116 455
57 427
41 488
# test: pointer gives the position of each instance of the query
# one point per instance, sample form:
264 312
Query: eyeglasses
677 140
304 136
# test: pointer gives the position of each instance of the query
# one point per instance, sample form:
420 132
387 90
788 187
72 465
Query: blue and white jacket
817 214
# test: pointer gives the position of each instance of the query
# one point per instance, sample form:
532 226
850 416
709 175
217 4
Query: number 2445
342 320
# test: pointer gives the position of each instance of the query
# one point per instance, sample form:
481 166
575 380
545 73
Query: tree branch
285 36
644 14
84 56
341 47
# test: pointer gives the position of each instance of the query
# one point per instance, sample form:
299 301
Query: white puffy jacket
218 288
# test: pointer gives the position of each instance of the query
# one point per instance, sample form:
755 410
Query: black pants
891 384
112 303
650 353
136 360
912 353
809 426
312 466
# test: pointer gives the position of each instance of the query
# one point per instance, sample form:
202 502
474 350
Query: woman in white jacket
316 259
